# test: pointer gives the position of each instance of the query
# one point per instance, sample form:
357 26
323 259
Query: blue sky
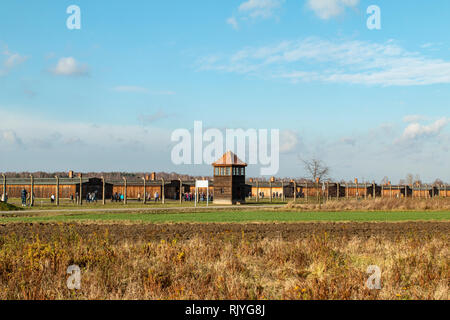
370 103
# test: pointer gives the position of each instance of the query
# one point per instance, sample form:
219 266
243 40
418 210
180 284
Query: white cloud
70 67
132 89
64 145
12 60
254 9
349 141
10 137
351 61
416 131
326 9
370 154
289 141
260 8
137 89
413 118
147 119
233 22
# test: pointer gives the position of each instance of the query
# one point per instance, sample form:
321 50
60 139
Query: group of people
275 195
149 197
201 197
117 197
26 197
91 197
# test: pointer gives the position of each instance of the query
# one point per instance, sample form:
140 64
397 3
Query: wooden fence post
328 191
271 193
145 190
282 190
163 196
125 199
32 191
317 191
181 187
338 188
4 185
57 190
257 191
365 190
103 191
306 191
374 191
81 190
295 191
346 190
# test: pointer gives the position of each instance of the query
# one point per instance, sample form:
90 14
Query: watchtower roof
229 159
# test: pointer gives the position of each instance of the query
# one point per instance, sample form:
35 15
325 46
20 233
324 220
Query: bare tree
417 180
409 179
316 169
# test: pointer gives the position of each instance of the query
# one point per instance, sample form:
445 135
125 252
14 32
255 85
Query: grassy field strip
140 209
47 206
236 217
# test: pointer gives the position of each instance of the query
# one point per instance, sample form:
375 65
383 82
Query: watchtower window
228 171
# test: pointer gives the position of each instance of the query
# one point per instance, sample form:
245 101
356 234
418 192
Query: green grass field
230 216
45 205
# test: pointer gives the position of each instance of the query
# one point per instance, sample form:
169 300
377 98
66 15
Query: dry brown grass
379 204
318 267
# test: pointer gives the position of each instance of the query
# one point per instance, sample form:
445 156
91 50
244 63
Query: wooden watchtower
229 179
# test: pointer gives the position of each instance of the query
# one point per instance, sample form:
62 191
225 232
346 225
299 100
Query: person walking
23 195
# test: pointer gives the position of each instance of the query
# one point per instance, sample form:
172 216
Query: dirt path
253 231
147 209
